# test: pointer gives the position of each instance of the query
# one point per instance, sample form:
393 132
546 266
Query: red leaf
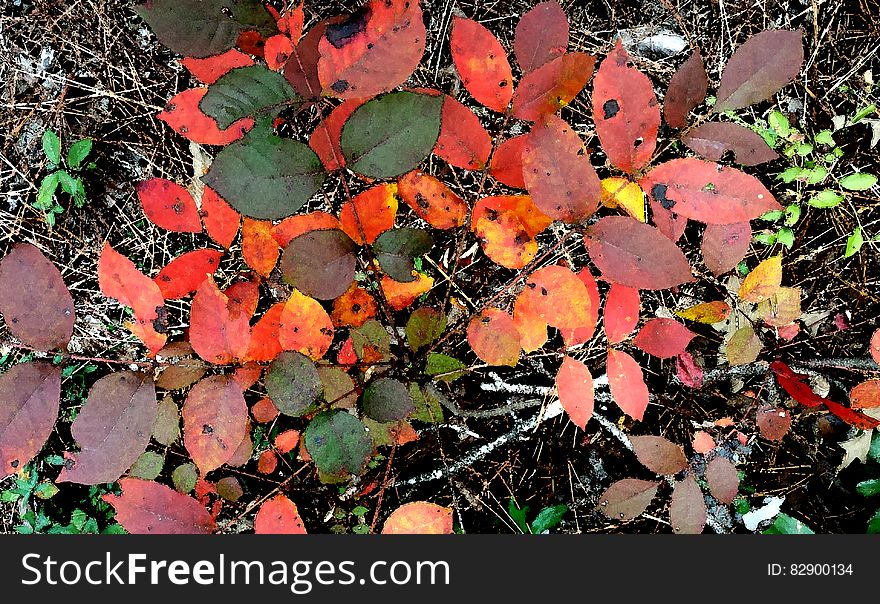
247 375
287 441
796 385
507 227
482 64
431 200
875 346
301 69
669 223
219 332
419 518
687 89
541 35
760 67
708 192
184 274
575 387
585 332
183 114
264 345
211 69
659 455
29 401
463 141
688 371
370 213
494 338
552 86
168 205
24 273
865 395
214 422
558 173
852 417
634 254
687 509
663 338
773 423
625 111
627 384
267 462
119 279
258 246
305 326
264 411
290 228
149 508
221 221
278 516
373 50
324 141
506 166
725 245
291 23
713 139
703 443
277 50
244 297
723 480
112 429
622 307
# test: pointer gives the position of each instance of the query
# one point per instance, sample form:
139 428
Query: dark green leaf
518 515
874 524
78 152
548 518
293 383
202 28
264 176
387 400
786 525
67 182
424 326
427 406
246 92
392 134
320 264
448 367
339 445
395 250
869 488
52 147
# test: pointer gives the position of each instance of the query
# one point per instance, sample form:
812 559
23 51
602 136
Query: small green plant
871 486
546 519
65 173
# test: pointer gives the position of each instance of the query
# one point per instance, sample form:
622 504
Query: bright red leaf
244 297
277 50
506 166
324 141
463 141
552 86
507 227
221 221
264 345
211 69
482 64
560 297
865 395
627 384
183 114
663 338
687 370
183 275
622 306
169 206
219 332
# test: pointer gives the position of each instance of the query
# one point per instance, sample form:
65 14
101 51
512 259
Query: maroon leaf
688 371
541 36
687 89
301 69
760 67
773 423
708 192
687 510
659 455
25 273
112 429
635 254
625 111
149 508
663 338
627 498
712 140
29 399
723 480
669 223
725 245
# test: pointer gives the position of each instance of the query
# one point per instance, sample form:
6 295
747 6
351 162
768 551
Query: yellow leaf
763 282
783 308
707 312
619 192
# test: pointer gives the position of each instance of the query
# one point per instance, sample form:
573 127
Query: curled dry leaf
419 518
628 498
278 516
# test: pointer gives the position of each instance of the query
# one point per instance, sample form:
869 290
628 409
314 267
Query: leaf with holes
47 324
713 139
372 50
687 89
494 338
392 134
627 384
218 331
481 63
183 114
149 508
372 213
622 306
320 263
558 173
278 516
663 338
112 429
29 401
659 454
635 254
759 68
354 308
687 509
387 400
628 498
214 422
339 445
258 247
541 36
395 250
575 387
419 518
723 480
725 245
184 274
293 383
708 192
252 91
304 326
463 141
507 227
625 111
552 86
763 282
169 206
432 200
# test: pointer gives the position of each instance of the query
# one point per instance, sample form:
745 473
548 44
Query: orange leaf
552 86
278 516
620 192
627 384
532 328
575 387
305 326
324 141
621 312
401 295
290 228
584 333
169 206
865 395
463 141
763 282
184 274
707 312
419 518
371 212
214 422
291 23
482 64
277 50
219 332
243 297
211 69
433 201
287 441
258 246
183 114
264 345
221 221
506 166
560 298
264 410
494 338
507 227
353 308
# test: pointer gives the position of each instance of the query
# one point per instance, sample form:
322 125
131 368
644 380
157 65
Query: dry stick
382 490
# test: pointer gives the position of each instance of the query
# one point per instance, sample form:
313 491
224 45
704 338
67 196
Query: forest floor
91 68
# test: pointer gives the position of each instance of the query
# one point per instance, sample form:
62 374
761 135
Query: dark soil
92 68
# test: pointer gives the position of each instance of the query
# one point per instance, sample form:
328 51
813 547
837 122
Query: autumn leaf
686 90
621 193
725 245
622 306
419 518
663 338
541 35
370 213
723 480
354 308
29 400
560 297
575 387
481 63
583 333
258 246
432 200
627 384
184 115
463 141
220 220
713 139
659 455
148 508
687 509
763 282
743 347
209 69
183 275
324 141
264 344
400 295
628 498
305 326
290 228
552 86
244 296
494 338
506 165
214 421
278 516
320 263
706 312
219 333
277 51
169 206
507 227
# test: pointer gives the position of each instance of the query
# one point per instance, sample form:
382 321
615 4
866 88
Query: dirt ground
92 68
